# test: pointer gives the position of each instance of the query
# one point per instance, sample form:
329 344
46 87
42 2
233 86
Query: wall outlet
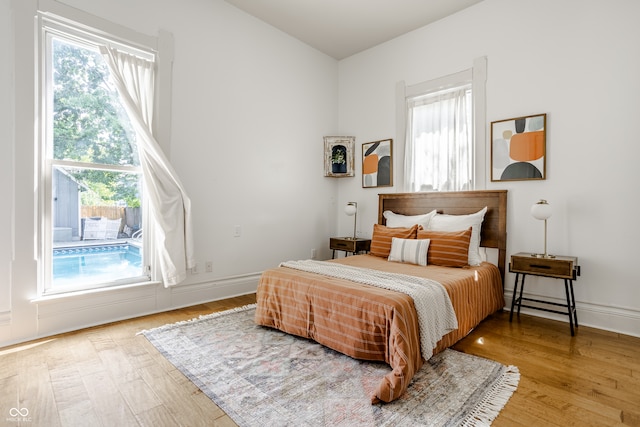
314 253
209 267
237 231
195 269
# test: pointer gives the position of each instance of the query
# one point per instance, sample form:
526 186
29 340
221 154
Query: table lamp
352 209
542 210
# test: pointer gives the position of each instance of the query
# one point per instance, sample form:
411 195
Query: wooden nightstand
348 244
557 267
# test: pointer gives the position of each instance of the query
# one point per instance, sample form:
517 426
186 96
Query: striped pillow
381 238
411 251
447 248
444 222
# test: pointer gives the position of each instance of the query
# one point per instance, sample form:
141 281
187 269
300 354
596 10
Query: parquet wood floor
109 376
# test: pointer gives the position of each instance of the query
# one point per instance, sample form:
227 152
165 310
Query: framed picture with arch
377 164
338 156
518 149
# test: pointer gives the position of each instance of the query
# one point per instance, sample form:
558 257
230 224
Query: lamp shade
541 210
351 208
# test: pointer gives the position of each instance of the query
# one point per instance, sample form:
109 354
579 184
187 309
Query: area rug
262 377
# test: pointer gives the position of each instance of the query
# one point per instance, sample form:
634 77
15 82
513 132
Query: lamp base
543 256
351 238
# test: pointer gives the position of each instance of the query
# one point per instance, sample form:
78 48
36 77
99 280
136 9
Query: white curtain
439 142
169 204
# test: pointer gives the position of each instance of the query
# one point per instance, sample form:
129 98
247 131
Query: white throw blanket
436 316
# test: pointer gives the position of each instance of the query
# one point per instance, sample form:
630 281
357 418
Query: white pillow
395 220
443 222
411 251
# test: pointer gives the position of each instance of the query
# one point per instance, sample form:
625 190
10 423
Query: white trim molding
477 75
64 313
609 318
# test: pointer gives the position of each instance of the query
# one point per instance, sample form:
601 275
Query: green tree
89 124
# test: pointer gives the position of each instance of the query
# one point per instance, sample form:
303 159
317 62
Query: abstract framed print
518 148
377 164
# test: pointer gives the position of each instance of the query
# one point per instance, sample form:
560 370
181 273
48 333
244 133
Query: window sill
52 298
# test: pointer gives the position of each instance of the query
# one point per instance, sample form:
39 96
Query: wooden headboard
494 226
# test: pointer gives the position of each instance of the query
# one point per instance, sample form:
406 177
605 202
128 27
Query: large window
92 223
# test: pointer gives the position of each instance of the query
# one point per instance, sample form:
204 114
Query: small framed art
338 156
518 148
377 164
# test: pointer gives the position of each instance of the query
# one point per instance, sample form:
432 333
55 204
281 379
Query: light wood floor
109 376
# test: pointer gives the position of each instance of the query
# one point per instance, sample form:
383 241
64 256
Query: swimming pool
96 264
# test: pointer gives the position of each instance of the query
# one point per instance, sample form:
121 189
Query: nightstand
348 244
557 267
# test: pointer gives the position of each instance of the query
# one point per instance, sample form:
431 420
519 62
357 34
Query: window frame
49 27
433 98
477 75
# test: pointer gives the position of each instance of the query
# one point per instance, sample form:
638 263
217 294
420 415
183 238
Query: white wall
578 62
6 176
250 107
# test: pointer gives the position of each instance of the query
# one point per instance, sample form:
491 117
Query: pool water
96 264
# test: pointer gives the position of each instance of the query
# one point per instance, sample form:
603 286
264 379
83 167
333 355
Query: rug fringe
199 318
489 408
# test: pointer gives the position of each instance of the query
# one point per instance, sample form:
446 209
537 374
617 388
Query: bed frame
494 226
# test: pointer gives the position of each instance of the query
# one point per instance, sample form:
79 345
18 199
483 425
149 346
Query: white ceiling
341 28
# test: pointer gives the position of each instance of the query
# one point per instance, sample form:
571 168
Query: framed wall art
518 148
338 156
377 164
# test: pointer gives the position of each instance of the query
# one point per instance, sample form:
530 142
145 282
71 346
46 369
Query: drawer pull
540 266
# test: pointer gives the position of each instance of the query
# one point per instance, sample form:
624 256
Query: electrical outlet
314 253
194 269
237 231
209 267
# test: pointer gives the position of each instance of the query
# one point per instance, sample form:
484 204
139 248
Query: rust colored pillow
381 238
447 248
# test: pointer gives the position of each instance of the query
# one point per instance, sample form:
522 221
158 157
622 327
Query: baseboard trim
59 314
621 320
227 287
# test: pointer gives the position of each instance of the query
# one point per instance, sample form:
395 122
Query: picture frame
519 148
339 156
377 164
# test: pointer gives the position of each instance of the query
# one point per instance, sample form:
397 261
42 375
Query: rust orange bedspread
371 323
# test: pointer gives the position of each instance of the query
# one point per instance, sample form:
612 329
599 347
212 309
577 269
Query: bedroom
586 63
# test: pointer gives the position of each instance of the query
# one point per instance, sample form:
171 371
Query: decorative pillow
443 222
447 248
410 251
381 238
397 220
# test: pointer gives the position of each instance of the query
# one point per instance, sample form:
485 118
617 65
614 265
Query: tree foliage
89 125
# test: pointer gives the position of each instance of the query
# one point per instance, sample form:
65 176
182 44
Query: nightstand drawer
559 267
347 244
341 244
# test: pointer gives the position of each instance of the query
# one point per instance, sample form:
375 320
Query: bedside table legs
516 300
570 305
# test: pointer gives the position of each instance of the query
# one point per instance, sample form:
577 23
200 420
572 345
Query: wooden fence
131 216
110 212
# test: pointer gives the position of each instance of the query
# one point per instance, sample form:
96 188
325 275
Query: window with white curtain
93 216
439 151
109 196
440 123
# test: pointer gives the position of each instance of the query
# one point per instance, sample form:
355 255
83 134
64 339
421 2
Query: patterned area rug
262 377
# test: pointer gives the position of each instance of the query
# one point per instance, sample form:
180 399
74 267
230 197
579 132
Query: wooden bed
373 323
